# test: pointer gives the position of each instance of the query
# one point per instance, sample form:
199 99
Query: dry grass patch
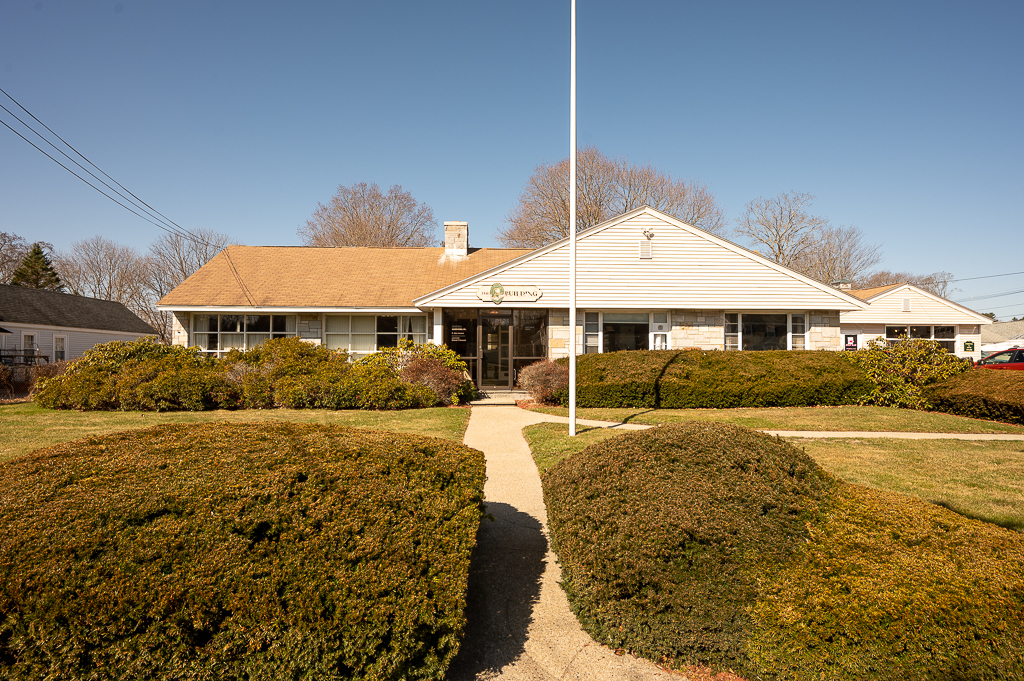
878 419
27 427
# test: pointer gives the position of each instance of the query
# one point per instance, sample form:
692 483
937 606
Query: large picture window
362 335
765 331
218 334
943 335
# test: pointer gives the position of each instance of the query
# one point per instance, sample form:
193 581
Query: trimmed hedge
982 394
243 551
283 372
688 379
712 544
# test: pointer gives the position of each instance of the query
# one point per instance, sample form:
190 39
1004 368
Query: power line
168 225
989 276
990 295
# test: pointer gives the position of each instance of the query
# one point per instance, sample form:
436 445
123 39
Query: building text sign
497 294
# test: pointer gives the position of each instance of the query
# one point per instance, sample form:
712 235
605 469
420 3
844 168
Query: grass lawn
804 418
983 480
27 427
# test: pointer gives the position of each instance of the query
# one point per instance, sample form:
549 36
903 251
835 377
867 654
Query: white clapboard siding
688 270
925 309
78 340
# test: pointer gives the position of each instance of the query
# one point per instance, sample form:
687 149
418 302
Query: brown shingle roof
865 293
304 276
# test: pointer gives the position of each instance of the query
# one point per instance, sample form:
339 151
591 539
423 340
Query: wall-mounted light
649 234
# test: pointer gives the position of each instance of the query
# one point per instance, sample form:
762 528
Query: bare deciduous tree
362 215
171 260
780 228
605 187
837 253
100 268
939 283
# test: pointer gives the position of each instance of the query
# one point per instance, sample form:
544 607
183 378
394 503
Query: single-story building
1002 336
47 326
904 310
644 281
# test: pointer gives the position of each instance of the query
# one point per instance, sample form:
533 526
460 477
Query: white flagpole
572 227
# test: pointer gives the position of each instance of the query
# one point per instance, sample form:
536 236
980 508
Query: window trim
739 328
220 351
399 334
951 348
64 338
581 321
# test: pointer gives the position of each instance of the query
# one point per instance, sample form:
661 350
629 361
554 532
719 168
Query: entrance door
495 343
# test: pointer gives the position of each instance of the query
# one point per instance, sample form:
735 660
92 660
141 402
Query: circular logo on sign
497 293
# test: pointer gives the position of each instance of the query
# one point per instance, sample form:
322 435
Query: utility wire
169 226
990 295
989 276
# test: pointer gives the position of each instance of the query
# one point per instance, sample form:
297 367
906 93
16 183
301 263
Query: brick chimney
456 239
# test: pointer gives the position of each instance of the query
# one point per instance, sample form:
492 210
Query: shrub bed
687 379
982 394
901 370
712 544
245 551
285 372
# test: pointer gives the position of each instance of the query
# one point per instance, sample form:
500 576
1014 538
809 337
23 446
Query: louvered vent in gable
906 304
645 249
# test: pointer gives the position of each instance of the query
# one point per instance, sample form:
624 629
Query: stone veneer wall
703 329
558 334
179 328
309 326
824 332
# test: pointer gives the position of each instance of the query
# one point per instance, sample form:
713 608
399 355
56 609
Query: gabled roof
872 295
311 277
1002 331
613 222
20 305
869 293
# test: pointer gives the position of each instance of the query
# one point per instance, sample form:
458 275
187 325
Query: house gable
687 268
887 307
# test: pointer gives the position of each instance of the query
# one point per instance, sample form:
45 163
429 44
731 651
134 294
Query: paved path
520 627
898 436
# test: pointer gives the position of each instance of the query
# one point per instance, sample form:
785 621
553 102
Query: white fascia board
938 299
739 250
76 329
245 309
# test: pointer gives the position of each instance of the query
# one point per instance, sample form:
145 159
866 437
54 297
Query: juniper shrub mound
243 551
282 372
982 394
712 544
900 370
688 379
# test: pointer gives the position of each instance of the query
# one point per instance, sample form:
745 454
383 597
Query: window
219 333
626 331
591 333
28 341
59 348
659 330
765 331
364 334
798 332
943 335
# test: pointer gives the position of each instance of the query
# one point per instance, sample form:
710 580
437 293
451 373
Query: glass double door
495 351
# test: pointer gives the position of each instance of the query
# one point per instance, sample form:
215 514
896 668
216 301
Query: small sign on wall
968 346
851 343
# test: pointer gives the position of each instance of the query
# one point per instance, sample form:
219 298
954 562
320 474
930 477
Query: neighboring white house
905 310
46 326
1002 336
644 281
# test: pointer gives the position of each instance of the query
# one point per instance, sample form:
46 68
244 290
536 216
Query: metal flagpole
572 226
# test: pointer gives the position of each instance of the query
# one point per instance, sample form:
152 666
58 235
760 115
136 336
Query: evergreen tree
36 271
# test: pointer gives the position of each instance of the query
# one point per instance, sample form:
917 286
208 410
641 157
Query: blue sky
901 118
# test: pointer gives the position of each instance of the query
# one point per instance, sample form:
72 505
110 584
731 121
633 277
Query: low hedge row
246 551
712 544
982 394
286 372
673 379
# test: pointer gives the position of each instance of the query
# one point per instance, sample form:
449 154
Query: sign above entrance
497 294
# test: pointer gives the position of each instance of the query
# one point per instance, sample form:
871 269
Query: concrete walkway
520 627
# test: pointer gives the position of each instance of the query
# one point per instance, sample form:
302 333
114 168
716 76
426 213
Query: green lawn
27 427
983 480
804 418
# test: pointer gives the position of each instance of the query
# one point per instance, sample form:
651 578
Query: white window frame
65 351
931 334
221 352
416 337
739 327
581 321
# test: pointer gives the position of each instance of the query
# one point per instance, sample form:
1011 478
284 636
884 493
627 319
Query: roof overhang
245 309
939 299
